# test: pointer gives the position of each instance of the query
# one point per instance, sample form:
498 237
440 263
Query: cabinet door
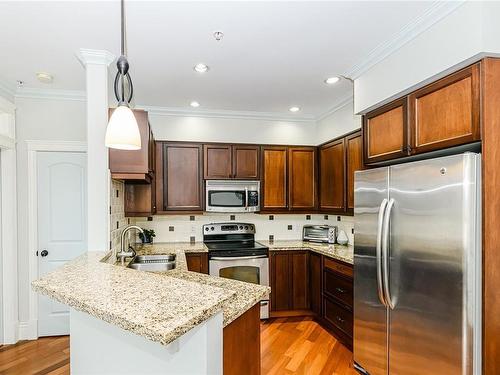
245 162
315 282
182 176
299 263
385 132
139 199
302 181
332 176
354 162
280 281
274 178
197 262
130 164
217 162
446 113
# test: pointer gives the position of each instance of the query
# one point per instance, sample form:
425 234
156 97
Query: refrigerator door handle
380 223
385 259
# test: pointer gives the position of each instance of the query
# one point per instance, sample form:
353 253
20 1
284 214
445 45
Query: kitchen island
128 321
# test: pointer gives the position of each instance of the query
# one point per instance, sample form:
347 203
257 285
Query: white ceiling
273 55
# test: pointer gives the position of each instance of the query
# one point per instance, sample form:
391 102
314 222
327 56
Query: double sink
153 263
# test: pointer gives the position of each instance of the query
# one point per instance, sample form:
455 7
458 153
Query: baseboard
28 330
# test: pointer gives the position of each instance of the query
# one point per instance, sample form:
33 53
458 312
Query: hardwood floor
48 355
289 346
301 346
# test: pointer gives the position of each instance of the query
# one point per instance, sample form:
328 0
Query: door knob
44 253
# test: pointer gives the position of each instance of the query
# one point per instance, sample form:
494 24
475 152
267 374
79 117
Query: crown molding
348 99
94 56
228 114
34 93
438 11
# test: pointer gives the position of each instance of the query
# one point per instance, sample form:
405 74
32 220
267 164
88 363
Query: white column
96 64
8 221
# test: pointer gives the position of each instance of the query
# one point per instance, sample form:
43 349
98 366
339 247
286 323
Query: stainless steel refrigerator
417 267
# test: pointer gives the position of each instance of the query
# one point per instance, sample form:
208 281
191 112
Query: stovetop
232 240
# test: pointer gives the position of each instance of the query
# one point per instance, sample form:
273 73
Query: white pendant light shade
123 132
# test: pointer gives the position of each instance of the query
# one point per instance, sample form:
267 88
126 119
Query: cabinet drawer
338 287
338 267
338 316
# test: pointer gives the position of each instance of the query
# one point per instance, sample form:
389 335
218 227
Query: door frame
8 226
29 330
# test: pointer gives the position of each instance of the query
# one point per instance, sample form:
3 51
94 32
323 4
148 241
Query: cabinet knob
340 290
339 319
44 253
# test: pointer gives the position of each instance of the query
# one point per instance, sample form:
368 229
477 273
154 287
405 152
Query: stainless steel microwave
232 196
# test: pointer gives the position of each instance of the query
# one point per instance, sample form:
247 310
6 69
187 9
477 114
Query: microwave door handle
385 251
380 223
246 198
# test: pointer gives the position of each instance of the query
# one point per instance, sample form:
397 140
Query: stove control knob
241 227
206 229
251 227
212 228
246 227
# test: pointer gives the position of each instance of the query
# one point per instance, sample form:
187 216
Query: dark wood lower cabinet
197 262
241 344
315 273
307 283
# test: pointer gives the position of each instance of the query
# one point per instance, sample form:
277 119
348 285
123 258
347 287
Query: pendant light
123 132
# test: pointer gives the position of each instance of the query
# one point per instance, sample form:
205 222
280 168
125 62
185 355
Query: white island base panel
100 348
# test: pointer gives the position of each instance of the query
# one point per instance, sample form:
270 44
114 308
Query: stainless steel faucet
129 252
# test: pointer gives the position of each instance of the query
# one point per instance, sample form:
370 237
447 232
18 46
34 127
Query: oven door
226 200
250 269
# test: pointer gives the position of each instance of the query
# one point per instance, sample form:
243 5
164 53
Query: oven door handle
239 258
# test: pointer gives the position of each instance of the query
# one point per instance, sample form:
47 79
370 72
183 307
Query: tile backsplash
181 228
117 219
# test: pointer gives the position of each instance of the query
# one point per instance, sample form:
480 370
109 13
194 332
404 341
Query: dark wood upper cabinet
446 113
245 162
140 199
182 177
217 161
354 162
135 165
224 161
274 161
385 132
332 176
302 178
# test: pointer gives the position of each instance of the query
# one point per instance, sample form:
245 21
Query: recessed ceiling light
201 68
294 109
44 77
332 80
194 104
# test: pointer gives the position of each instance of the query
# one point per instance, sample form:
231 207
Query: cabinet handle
340 290
339 319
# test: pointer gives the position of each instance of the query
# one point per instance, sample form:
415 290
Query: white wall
340 122
464 34
203 129
39 119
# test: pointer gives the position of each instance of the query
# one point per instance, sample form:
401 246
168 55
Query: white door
62 226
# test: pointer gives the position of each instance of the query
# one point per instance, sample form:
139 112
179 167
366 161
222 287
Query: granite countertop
158 306
344 253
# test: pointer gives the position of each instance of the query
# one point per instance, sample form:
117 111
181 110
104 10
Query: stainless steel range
233 253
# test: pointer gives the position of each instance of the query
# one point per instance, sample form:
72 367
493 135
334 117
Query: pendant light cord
123 26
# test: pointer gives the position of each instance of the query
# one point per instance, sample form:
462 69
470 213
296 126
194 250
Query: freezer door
433 251
370 314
